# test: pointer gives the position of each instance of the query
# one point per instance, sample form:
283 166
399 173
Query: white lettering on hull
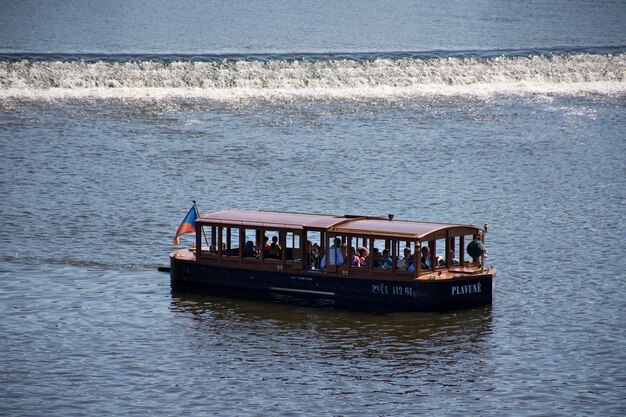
383 289
466 289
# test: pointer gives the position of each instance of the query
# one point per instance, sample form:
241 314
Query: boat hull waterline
416 295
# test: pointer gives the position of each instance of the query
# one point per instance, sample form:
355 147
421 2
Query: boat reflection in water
399 353
343 329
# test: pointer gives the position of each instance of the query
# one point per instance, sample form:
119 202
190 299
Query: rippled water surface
101 155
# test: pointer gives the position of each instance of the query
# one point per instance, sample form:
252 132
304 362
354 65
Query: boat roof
346 224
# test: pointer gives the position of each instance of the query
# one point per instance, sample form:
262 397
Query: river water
115 116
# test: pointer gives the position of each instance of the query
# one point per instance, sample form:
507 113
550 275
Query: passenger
334 255
362 255
387 261
441 261
275 249
316 258
426 258
355 260
249 251
403 263
378 258
453 261
266 248
476 248
321 251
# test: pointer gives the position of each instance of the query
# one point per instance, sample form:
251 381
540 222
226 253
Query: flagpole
198 216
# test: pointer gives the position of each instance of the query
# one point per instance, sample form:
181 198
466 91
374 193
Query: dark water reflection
347 357
327 326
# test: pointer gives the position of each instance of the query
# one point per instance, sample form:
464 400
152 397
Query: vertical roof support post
452 248
261 244
474 237
433 254
242 242
482 257
462 249
394 255
199 240
328 267
303 249
348 262
448 250
417 258
282 241
220 232
370 259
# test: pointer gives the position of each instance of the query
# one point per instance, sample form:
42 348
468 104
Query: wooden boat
419 270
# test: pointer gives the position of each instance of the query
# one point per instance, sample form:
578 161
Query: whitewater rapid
315 78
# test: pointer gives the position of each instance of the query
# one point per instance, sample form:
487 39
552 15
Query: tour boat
349 259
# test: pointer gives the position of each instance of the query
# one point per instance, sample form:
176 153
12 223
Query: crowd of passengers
340 254
270 251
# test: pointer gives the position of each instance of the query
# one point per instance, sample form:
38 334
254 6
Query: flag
188 225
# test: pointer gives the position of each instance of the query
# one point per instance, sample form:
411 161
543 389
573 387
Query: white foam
309 79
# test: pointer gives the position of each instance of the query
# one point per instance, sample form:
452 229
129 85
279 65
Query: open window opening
381 254
292 248
206 241
404 256
335 253
250 244
229 236
314 250
271 248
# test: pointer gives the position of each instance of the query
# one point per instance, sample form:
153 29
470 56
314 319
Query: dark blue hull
417 295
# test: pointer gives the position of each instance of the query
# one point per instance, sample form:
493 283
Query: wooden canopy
341 225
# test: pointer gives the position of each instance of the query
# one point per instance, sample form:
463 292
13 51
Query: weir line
327 78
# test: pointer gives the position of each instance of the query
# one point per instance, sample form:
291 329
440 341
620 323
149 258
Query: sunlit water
101 155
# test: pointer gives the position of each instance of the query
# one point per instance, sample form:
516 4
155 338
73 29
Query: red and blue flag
188 225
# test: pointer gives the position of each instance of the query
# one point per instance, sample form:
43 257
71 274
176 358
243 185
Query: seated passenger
334 255
265 248
403 263
275 249
454 261
387 261
425 263
321 252
377 258
425 258
355 260
249 251
362 255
